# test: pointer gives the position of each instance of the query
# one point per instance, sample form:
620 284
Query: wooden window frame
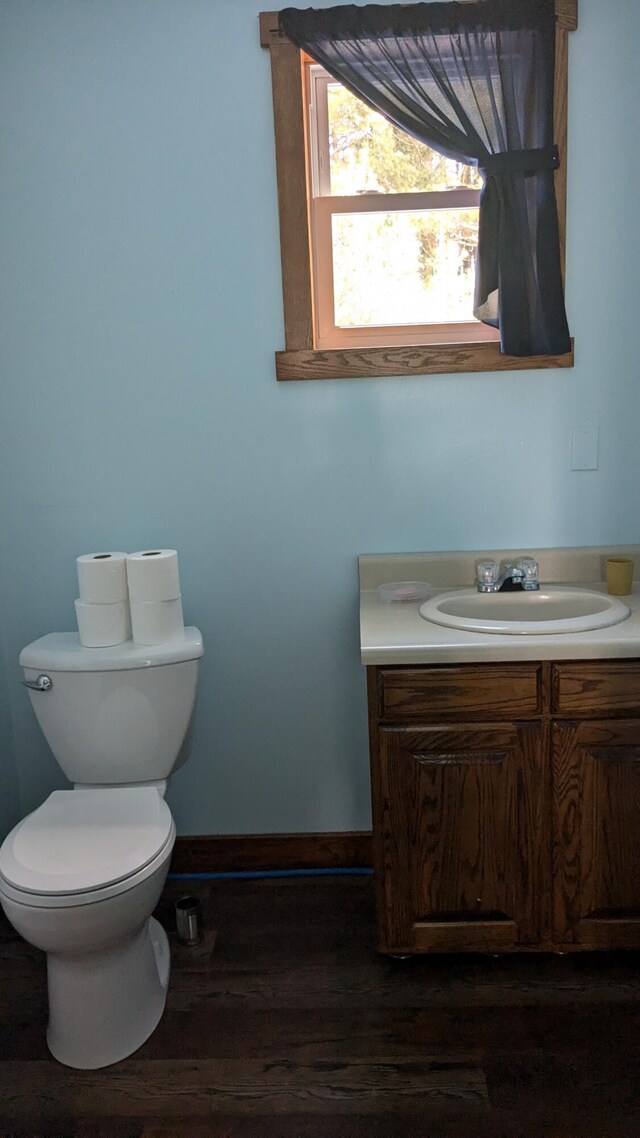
300 360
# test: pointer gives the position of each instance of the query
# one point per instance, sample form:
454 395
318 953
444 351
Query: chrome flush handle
41 683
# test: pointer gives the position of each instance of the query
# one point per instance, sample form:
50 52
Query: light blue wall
9 790
140 309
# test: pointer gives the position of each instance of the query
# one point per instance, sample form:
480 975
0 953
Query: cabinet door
596 794
459 814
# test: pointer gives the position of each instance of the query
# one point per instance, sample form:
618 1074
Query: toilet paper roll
101 626
153 622
102 577
153 575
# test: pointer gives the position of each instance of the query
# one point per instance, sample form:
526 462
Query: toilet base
104 1005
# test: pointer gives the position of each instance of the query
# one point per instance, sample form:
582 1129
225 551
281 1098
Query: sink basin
551 609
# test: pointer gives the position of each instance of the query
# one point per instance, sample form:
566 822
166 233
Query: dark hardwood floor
287 1024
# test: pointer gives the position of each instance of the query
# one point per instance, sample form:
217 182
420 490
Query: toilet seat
81 846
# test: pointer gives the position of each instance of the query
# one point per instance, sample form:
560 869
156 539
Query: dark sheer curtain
475 82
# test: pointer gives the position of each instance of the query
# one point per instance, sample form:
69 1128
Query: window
393 227
360 206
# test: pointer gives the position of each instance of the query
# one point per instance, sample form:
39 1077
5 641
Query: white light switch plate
584 448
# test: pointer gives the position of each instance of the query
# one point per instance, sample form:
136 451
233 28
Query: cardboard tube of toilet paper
153 622
153 575
102 577
102 626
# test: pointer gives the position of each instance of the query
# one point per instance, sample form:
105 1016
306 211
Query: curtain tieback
521 161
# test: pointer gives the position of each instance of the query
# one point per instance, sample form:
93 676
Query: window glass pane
410 267
368 155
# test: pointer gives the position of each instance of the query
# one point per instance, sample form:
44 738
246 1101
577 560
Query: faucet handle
487 572
529 568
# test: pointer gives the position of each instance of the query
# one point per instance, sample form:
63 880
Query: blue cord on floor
244 875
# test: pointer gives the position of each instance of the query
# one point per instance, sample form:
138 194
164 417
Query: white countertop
397 634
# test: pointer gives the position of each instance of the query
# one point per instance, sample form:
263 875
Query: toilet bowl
81 876
79 879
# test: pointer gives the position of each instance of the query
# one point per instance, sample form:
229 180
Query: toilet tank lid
63 652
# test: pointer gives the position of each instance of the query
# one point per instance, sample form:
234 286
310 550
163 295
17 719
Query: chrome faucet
493 578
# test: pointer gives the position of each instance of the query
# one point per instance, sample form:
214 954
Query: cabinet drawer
596 688
478 691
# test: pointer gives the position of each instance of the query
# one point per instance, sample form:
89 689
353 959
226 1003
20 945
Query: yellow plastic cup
619 576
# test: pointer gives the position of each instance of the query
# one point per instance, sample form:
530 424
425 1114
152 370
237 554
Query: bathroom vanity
505 771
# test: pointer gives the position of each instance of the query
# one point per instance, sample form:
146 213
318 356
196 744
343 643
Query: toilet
81 875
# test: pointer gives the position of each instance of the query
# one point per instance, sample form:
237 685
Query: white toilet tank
114 715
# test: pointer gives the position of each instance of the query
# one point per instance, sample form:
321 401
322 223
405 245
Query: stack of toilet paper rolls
102 609
154 595
124 595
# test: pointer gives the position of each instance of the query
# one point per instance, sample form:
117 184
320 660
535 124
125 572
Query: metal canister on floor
189 921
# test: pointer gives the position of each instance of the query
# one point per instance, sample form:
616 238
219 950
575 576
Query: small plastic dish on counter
403 592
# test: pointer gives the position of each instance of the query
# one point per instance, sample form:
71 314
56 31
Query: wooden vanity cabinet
506 806
596 804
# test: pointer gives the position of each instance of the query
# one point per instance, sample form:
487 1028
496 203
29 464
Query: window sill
434 359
